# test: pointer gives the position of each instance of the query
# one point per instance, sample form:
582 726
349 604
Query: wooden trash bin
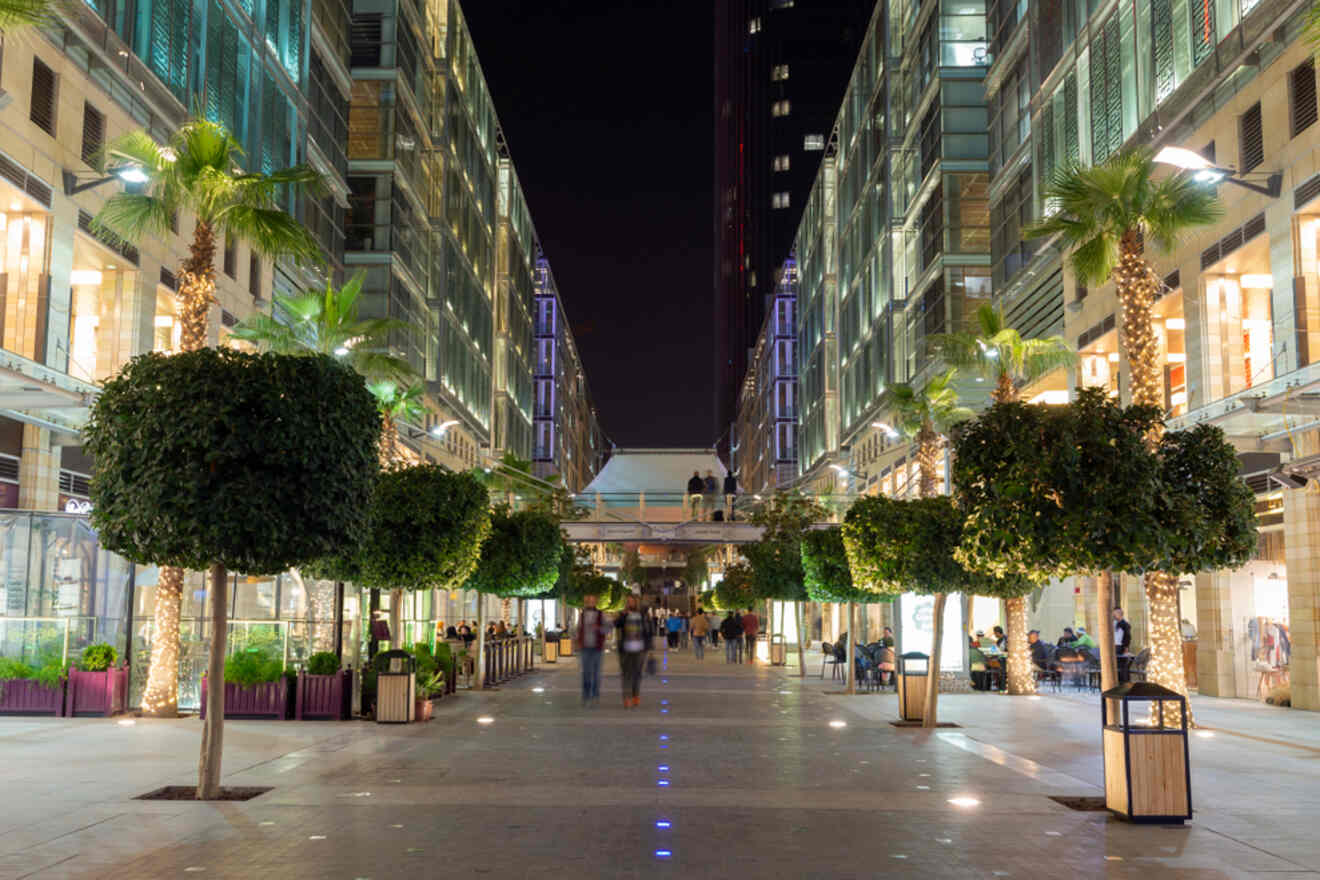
1148 774
396 687
550 650
778 651
565 645
913 670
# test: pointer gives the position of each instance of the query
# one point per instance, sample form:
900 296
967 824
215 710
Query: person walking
731 630
700 626
591 642
635 632
673 625
695 487
751 627
711 490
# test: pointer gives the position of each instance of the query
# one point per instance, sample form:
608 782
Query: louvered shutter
43 97
1251 139
1301 89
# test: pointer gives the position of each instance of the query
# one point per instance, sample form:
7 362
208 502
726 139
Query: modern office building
1234 81
515 254
764 448
569 442
894 241
780 67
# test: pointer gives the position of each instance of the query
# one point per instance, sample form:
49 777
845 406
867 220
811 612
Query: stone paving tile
758 783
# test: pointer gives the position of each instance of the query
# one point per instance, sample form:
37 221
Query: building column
1301 528
1131 592
1215 657
38 471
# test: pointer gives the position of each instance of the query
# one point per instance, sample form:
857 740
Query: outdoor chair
1050 672
828 659
1137 668
886 667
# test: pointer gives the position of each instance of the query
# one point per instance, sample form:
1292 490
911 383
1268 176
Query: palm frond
1040 357
962 350
271 232
134 216
264 331
26 13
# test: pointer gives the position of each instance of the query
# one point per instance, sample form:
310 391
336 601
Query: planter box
267 700
23 696
324 697
102 693
423 709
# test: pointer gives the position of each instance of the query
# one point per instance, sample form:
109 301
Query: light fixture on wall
1205 171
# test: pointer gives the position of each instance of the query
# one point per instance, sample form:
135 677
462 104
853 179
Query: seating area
1081 668
875 663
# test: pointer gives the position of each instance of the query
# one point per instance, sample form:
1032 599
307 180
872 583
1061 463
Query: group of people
703 497
468 633
634 631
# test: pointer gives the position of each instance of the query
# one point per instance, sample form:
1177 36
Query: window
781 108
254 276
43 97
780 163
779 73
779 200
93 133
231 257
1251 139
754 26
813 143
1301 97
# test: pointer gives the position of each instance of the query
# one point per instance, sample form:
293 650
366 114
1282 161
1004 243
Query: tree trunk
1137 287
1164 632
852 657
356 649
195 296
397 641
928 460
1104 635
213 726
160 699
1019 671
480 678
928 710
1005 391
801 639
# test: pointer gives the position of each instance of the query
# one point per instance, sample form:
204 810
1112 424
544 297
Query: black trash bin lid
1142 690
382 662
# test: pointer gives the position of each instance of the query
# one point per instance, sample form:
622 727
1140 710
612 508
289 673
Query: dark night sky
606 107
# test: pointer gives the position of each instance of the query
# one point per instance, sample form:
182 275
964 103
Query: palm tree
1000 354
198 170
1107 214
925 414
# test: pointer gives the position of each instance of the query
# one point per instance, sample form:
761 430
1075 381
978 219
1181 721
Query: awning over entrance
38 395
1262 418
654 471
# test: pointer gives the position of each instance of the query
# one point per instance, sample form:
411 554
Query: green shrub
50 673
11 669
322 663
97 658
252 667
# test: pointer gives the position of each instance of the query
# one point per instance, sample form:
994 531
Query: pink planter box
97 693
324 696
23 696
267 700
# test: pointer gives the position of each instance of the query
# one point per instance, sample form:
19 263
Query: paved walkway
723 771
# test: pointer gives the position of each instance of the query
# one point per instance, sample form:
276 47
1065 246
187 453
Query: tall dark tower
781 67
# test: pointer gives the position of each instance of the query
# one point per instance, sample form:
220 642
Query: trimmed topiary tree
908 546
224 461
736 590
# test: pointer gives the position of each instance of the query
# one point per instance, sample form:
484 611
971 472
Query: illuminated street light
1205 171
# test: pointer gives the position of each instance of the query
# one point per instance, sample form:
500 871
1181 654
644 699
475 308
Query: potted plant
430 682
324 690
256 686
29 690
446 663
96 686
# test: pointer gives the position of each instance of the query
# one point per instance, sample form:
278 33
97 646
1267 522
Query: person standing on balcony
711 489
730 494
695 487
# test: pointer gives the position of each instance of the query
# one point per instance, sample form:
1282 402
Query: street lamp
889 431
1205 171
131 174
440 429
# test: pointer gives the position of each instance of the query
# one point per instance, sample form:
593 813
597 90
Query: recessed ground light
662 783
836 723
1205 734
316 837
663 853
126 722
663 824
194 870
664 711
663 768
664 702
1113 858
265 823
1034 697
664 736
485 719
944 840
538 690
923 788
965 802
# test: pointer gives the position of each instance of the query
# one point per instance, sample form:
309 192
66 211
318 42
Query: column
1301 524
1214 635
38 471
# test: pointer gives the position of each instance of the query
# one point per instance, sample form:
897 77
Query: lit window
779 73
813 143
779 200
781 163
754 26
780 108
